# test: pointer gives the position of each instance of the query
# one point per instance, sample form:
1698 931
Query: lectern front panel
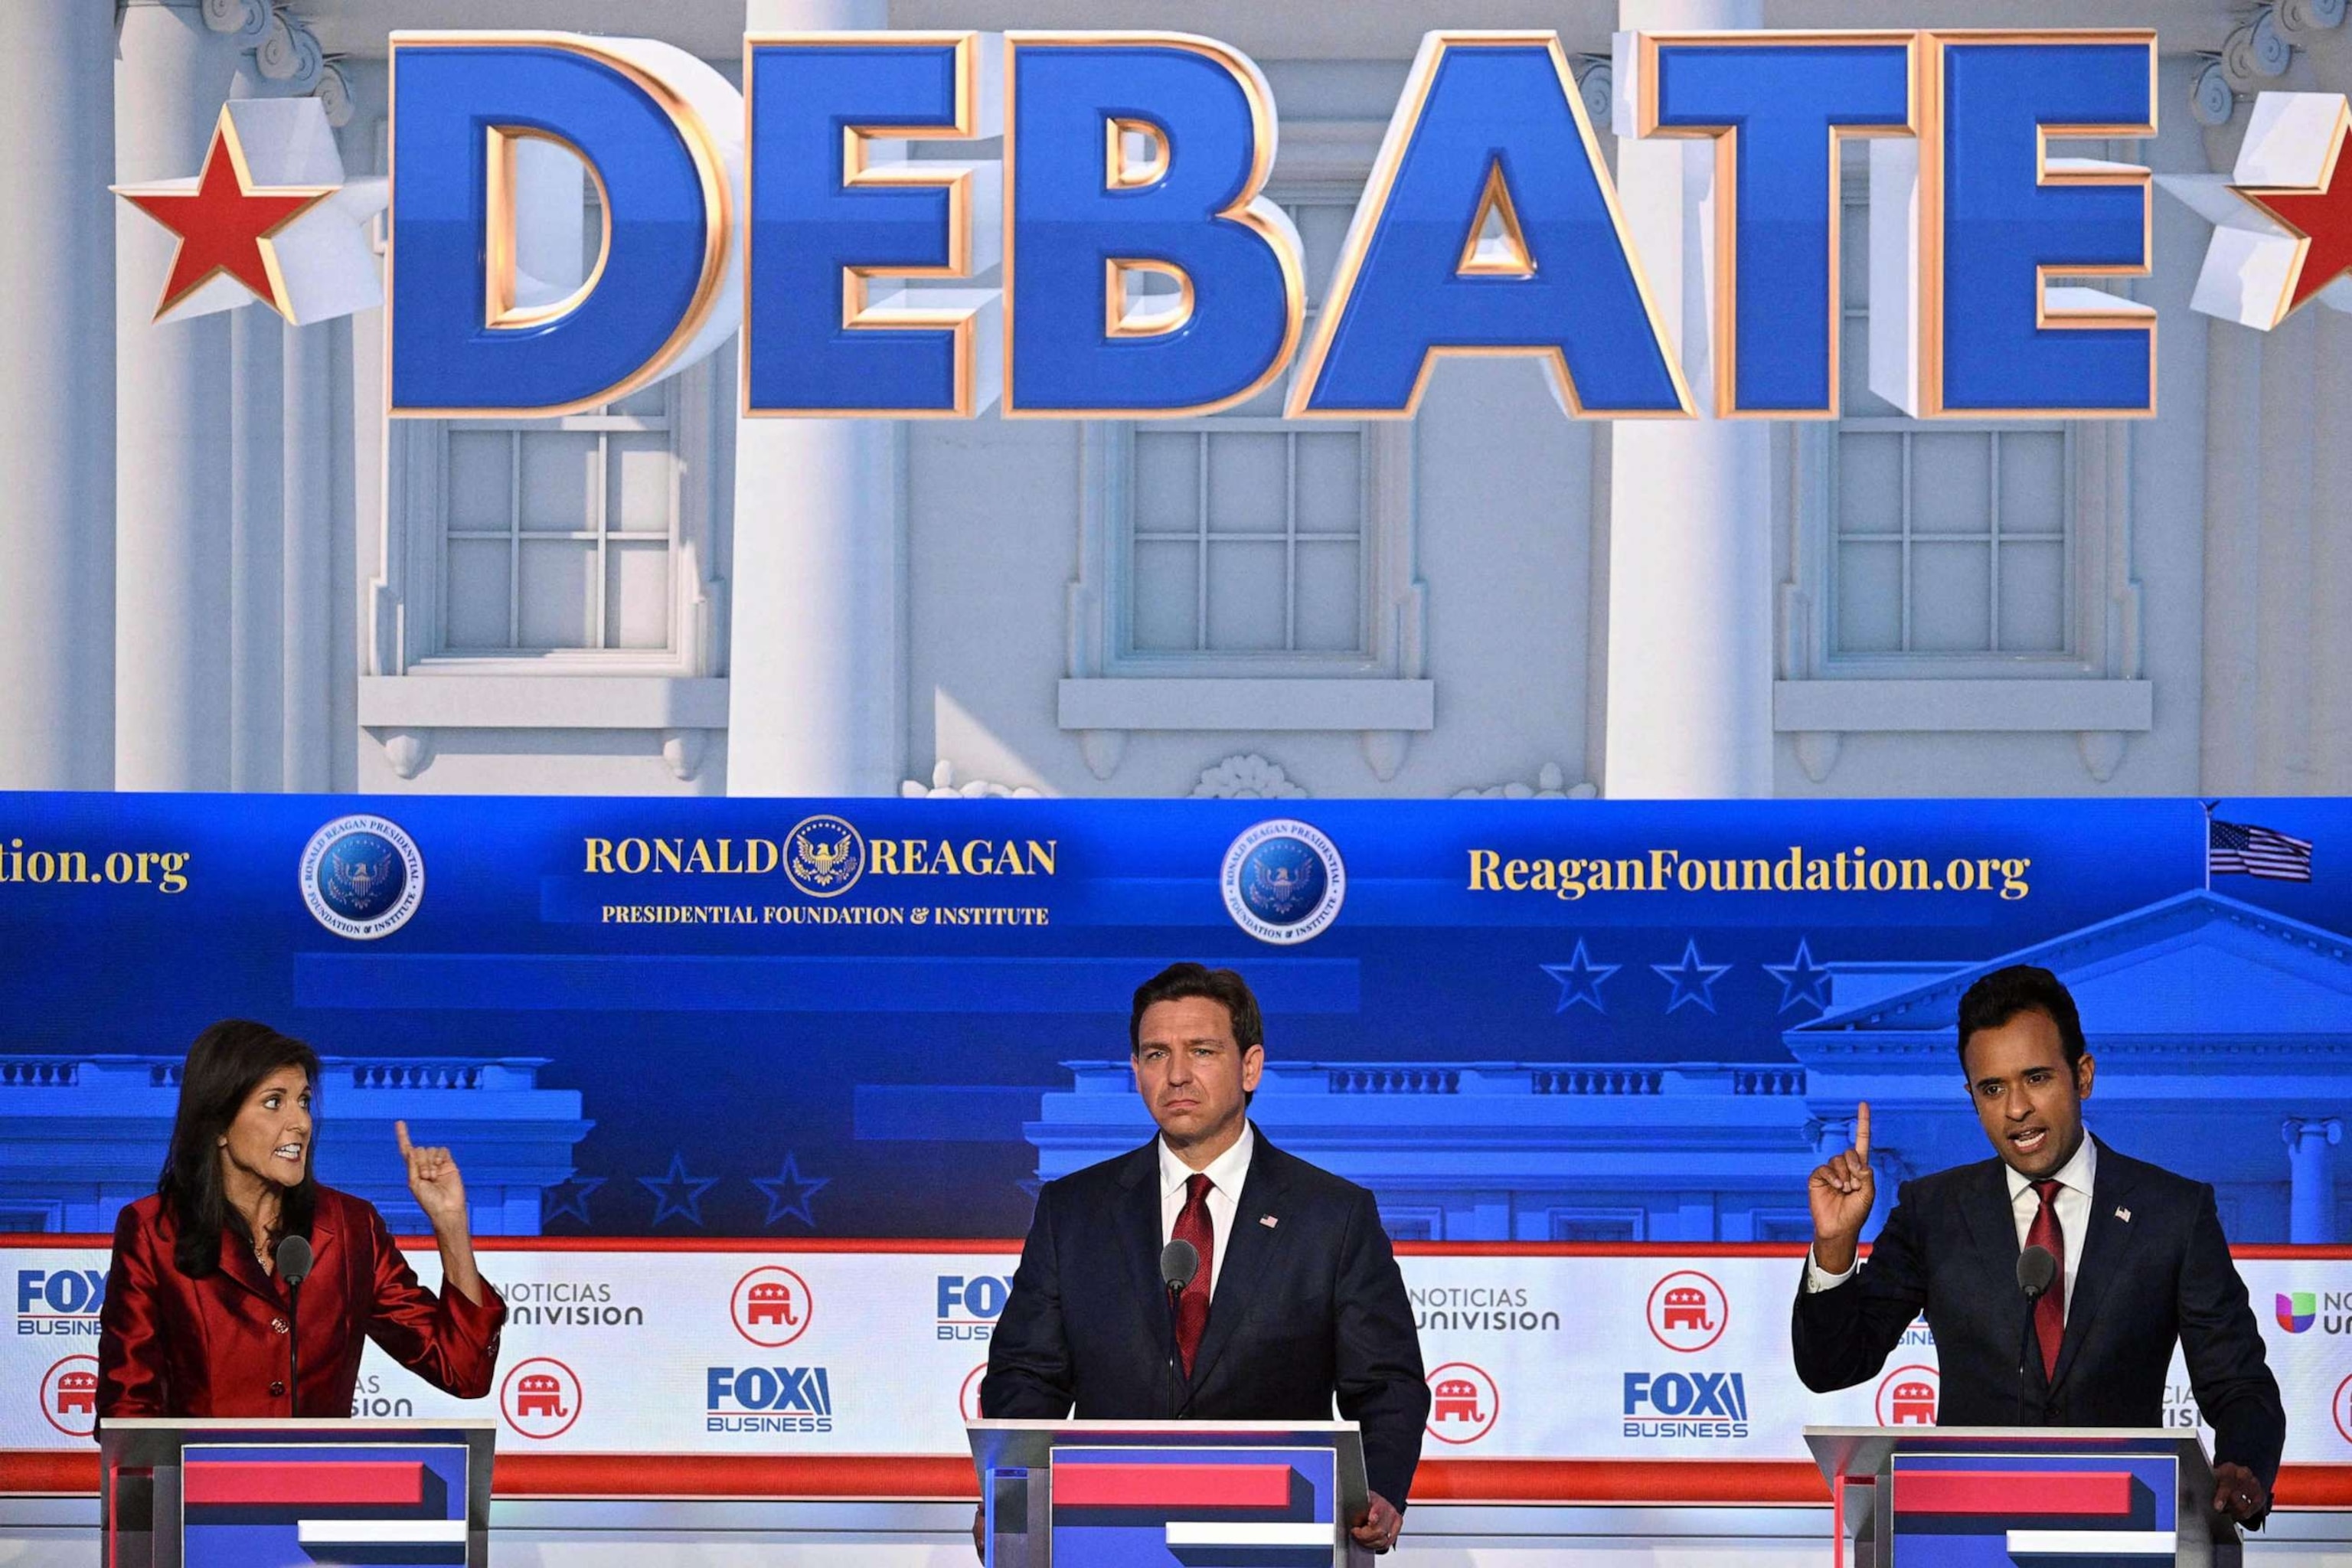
243 1505
1135 1507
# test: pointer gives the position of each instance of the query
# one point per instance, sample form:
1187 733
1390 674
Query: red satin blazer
170 1345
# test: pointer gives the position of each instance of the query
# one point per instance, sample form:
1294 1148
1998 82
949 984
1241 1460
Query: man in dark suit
2141 1262
1296 1302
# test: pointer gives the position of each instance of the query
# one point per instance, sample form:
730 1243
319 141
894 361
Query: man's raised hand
1841 1193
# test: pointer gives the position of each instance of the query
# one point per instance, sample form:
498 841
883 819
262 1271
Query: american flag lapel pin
1269 1221
2122 1214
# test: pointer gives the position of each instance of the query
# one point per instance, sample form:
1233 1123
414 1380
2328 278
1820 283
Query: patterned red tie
2050 1311
1193 1307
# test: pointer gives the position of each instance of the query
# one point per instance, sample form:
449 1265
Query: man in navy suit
2140 1254
1296 1303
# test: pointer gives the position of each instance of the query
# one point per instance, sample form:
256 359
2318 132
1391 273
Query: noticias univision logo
2328 1311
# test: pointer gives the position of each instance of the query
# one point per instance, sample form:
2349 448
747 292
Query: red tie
1193 1307
2050 1311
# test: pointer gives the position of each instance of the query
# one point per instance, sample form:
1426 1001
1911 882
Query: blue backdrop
892 1017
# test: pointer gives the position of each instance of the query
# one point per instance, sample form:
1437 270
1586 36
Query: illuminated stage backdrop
1525 1021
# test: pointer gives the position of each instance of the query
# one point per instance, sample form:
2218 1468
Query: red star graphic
225 223
2320 218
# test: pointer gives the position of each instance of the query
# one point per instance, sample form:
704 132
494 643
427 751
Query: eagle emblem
357 880
823 855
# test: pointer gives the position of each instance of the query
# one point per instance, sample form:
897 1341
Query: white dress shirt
1226 1173
2072 1203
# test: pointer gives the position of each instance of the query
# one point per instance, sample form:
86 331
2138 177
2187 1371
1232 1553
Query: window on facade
1782 1226
1247 534
1569 1225
1248 538
560 535
1946 538
1414 1225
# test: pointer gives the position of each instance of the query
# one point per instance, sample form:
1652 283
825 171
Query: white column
2232 612
257 637
173 519
308 522
1690 548
815 657
57 395
2311 1170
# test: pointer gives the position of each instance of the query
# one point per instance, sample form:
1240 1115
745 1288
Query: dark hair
1181 980
1998 997
224 1066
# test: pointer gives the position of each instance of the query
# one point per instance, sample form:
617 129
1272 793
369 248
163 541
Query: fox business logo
754 1399
1673 1404
969 1305
59 1302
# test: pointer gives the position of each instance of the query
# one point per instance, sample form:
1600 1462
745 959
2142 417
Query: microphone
293 1266
1180 1260
2036 1268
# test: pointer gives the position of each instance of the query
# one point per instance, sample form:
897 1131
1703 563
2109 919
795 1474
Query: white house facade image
222 567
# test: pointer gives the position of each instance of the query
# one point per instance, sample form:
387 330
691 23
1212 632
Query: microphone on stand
1179 1261
2036 1268
293 1266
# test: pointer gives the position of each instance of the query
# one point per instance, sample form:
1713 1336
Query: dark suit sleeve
2235 1391
1377 1372
1029 1375
1842 1336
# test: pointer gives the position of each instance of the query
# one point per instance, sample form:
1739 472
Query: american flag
2244 849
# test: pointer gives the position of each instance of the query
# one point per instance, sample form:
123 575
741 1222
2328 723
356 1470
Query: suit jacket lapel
1991 1218
238 1263
1249 1256
322 1241
1139 1232
2108 1236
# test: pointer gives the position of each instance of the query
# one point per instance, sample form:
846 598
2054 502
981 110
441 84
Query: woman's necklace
261 1237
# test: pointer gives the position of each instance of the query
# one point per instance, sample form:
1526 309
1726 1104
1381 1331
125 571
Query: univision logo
2297 1310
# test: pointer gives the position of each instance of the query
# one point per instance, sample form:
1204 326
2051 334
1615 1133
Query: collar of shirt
2076 1174
1224 1173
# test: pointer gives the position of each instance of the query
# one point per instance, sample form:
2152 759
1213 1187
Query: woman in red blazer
197 1320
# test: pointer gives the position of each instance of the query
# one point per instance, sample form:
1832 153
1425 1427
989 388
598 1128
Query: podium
1110 1494
181 1493
1942 1496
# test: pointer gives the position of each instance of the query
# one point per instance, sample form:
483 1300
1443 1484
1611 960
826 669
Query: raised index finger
1862 1129
400 1130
